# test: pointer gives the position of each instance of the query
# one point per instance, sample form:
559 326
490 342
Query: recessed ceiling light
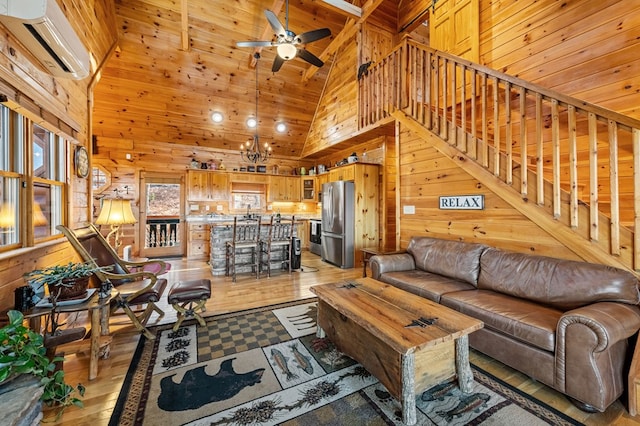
281 127
252 122
217 117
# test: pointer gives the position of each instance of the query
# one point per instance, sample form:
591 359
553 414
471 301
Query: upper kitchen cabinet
284 188
204 185
308 188
342 173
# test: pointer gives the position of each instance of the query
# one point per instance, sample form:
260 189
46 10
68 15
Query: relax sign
462 202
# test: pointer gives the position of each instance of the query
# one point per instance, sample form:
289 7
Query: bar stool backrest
281 229
246 230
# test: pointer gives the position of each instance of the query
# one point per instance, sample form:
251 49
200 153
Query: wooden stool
187 297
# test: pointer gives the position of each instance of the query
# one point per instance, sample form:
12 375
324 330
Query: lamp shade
115 212
7 215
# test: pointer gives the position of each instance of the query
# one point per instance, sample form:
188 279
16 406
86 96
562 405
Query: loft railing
563 151
162 232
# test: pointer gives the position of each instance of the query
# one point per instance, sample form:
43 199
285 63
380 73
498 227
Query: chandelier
251 151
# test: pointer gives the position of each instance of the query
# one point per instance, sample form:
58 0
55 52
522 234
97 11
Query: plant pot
71 288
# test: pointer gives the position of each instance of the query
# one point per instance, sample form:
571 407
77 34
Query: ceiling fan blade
314 35
275 23
277 64
310 57
253 43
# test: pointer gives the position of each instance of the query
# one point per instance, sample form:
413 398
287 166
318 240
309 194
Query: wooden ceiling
161 87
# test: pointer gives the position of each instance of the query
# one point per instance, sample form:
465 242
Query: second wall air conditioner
42 27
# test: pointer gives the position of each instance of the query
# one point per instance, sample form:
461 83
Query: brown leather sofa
564 323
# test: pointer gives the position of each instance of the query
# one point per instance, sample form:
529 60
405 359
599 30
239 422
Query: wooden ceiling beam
347 9
349 30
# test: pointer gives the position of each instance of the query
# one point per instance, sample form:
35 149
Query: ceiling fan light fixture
287 51
217 117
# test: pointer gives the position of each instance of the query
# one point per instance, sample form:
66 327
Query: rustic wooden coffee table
407 342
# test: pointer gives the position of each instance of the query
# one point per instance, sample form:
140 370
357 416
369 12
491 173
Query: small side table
98 311
368 253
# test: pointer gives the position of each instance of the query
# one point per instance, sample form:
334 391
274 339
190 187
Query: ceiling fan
288 44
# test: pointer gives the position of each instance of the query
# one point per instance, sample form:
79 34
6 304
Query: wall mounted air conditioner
40 25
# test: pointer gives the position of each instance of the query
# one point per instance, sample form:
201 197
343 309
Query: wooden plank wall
425 174
581 48
336 119
67 100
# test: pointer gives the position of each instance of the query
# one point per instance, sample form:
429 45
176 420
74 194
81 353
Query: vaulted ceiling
159 86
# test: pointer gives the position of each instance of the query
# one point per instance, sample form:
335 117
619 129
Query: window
32 181
100 179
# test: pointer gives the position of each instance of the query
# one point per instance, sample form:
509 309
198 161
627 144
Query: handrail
552 144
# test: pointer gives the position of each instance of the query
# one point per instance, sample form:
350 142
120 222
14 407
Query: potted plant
63 281
22 351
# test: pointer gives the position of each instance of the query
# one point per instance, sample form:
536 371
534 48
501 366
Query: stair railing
557 146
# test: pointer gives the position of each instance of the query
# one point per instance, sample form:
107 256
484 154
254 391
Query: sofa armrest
591 347
382 263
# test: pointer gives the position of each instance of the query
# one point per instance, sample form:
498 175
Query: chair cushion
520 319
152 295
186 291
425 284
454 259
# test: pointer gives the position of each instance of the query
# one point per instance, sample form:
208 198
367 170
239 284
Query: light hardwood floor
247 292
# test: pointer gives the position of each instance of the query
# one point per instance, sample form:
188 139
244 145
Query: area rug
267 367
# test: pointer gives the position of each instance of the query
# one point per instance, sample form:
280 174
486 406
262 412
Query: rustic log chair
246 235
139 288
279 237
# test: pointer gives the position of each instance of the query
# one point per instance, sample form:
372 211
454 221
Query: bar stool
279 237
246 238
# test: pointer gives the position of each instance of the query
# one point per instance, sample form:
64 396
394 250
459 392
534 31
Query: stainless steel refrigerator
338 223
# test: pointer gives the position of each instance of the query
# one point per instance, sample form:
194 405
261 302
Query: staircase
569 166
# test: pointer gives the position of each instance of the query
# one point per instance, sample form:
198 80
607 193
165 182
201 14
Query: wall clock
82 162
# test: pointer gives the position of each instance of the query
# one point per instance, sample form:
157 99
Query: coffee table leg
463 368
408 390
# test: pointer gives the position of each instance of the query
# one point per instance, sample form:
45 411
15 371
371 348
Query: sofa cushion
425 284
563 284
520 319
453 259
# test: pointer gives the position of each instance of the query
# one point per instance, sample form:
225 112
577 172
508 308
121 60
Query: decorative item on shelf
115 213
203 165
222 166
251 168
212 165
195 164
261 169
303 171
352 158
251 151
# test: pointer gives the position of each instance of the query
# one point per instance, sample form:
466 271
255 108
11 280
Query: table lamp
115 212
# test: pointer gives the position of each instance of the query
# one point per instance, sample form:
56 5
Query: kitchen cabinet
205 185
342 173
248 177
321 180
284 188
198 241
309 188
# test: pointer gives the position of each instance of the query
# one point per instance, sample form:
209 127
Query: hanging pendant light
251 151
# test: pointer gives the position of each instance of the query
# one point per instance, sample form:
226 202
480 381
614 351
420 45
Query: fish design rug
267 367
